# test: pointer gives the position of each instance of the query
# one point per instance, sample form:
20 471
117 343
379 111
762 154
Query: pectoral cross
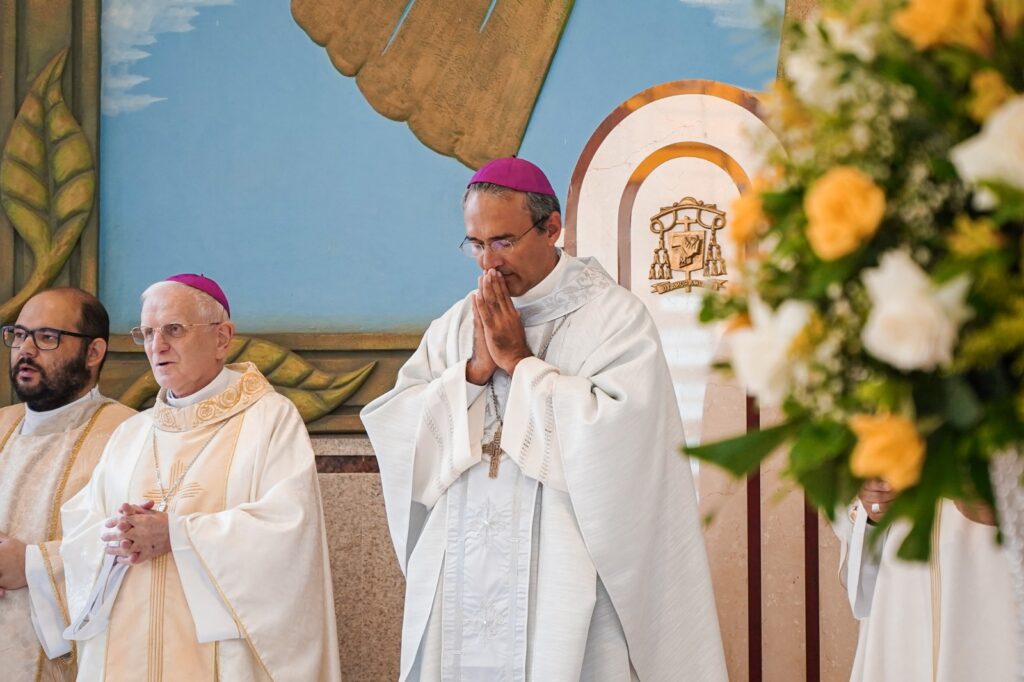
493 450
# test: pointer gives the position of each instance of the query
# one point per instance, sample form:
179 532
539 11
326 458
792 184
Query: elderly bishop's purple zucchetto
205 285
514 173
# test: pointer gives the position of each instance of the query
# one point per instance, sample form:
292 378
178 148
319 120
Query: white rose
761 353
912 324
996 153
859 41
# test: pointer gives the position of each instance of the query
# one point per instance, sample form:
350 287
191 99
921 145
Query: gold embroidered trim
157 592
7 436
936 586
51 533
249 388
61 602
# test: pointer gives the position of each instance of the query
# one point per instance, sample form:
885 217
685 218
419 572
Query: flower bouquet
881 303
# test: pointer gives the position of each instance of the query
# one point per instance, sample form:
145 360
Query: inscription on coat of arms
687 244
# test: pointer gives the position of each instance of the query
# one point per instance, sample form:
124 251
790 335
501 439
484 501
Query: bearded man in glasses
49 445
545 521
198 549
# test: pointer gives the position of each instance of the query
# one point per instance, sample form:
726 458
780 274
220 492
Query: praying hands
139 534
499 339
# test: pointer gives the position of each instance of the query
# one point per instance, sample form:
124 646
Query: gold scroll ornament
692 249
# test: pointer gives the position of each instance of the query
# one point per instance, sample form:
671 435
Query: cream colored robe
948 620
594 505
245 593
38 473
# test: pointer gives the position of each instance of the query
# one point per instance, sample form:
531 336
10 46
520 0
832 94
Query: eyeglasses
171 330
476 249
45 338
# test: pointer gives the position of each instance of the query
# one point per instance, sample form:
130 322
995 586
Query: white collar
546 285
219 384
36 420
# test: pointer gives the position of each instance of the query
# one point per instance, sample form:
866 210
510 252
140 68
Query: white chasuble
947 620
245 592
45 458
583 559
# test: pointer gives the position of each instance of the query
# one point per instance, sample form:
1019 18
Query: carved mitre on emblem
692 230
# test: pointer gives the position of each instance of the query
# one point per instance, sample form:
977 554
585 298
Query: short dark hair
540 206
93 320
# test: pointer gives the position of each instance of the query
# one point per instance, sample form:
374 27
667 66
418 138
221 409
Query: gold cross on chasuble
493 451
191 490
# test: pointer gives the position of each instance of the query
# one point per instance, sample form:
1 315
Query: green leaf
817 443
963 409
47 180
742 455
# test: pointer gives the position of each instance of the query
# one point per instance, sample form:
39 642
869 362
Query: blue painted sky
247 156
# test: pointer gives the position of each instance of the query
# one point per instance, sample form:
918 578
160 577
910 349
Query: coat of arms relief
691 228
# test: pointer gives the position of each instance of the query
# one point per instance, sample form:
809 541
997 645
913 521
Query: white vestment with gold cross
245 592
45 458
584 558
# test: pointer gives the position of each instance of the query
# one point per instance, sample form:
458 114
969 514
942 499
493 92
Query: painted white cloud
128 26
739 13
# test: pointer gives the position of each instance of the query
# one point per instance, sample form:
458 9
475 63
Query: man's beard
56 387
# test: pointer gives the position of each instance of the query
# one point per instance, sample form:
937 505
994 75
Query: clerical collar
219 384
545 286
36 420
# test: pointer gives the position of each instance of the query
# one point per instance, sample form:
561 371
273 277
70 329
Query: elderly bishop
540 509
49 445
198 549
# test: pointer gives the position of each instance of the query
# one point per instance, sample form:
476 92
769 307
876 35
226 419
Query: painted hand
481 365
12 564
503 330
876 496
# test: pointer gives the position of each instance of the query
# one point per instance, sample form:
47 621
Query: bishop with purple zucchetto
546 524
198 551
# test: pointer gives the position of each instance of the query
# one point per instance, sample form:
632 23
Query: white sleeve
861 565
47 618
473 392
211 616
528 434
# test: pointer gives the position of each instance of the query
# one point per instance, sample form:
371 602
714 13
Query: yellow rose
844 208
746 217
932 22
972 238
1011 15
988 92
888 447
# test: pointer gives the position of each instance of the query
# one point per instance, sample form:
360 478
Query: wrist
476 375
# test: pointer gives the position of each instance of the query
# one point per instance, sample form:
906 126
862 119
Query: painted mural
234 144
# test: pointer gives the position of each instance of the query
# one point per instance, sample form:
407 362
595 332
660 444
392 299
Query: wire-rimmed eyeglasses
172 330
45 338
475 249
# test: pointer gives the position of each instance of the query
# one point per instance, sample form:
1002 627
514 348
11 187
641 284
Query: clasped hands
499 339
139 533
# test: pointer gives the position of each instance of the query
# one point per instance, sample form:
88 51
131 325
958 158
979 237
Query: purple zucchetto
205 285
514 173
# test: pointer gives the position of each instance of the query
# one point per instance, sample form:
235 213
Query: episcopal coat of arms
692 248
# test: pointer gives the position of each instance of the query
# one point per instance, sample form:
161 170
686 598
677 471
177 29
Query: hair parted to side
539 205
207 306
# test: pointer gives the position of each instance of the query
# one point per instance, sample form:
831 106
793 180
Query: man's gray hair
209 309
539 205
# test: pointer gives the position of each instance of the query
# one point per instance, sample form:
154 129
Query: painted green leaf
47 180
315 393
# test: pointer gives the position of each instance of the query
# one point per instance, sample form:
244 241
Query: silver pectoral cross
493 451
